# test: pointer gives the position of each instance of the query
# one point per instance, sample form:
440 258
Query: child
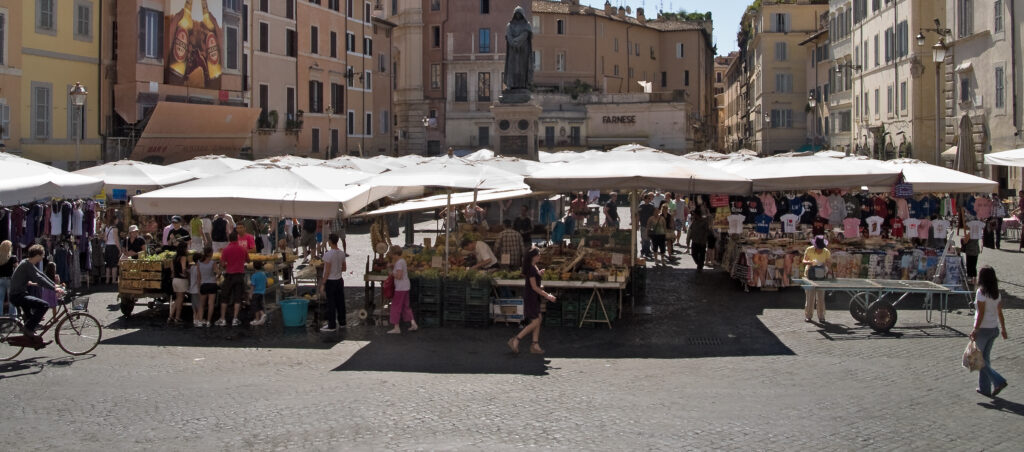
259 287
193 291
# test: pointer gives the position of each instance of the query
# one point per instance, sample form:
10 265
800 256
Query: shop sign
719 200
119 194
627 119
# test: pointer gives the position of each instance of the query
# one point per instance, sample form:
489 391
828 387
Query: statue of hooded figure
518 57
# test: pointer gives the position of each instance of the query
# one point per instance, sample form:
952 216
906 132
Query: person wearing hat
176 234
133 244
817 259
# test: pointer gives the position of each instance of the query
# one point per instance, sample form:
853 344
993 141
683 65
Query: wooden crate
129 284
151 284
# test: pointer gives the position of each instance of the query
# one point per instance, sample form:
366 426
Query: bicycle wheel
9 328
78 333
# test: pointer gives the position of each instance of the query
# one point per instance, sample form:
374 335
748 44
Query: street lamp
78 95
938 56
813 104
330 147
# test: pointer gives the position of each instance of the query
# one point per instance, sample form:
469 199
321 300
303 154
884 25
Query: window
631 72
485 40
289 9
435 76
368 80
337 96
5 120
878 102
314 41
264 99
903 96
368 46
334 5
334 142
574 136
291 43
965 88
369 124
783 83
350 9
46 16
385 123
41 110
290 102
314 147
615 70
151 33
316 96
615 45
350 77
334 44
875 5
888 44
231 52
3 38
653 57
351 123
536 61
876 51
485 6
232 5
483 86
560 62
435 5
263 6
350 42
367 12
636 48
560 26
664 79
264 37
902 40
781 119
1000 88
549 136
686 78
780 22
83 20
394 7
75 125
965 18
997 20
536 24
679 50
461 87
484 136
888 99
780 51
435 36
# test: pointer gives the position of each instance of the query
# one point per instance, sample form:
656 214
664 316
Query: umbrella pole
632 227
447 228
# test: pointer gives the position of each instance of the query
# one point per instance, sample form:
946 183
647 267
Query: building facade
720 84
736 127
777 75
817 53
10 75
274 91
981 85
58 46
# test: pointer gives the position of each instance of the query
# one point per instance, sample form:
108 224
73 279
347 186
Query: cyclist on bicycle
28 273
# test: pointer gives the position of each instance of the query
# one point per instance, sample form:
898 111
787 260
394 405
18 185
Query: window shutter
142 33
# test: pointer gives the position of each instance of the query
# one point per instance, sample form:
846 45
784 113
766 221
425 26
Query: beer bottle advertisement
195 52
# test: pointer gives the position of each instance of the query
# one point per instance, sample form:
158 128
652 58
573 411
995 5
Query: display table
595 288
868 298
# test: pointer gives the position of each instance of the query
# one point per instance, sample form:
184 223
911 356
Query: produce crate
453 315
130 284
476 323
429 321
431 300
151 284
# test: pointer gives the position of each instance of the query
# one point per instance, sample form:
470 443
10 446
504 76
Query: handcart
874 301
140 279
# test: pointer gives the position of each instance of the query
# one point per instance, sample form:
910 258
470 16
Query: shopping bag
387 289
973 359
902 188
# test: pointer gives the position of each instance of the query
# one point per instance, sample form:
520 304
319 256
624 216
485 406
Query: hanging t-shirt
852 205
837 209
976 227
76 222
781 207
754 208
824 210
911 225
880 207
970 206
914 208
763 224
55 220
796 205
924 228
902 210
941 228
896 227
768 203
737 205
736 223
789 222
810 209
874 225
851 227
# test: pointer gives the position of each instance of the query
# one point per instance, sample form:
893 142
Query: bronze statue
518 59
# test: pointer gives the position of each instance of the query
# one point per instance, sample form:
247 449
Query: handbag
388 287
817 273
973 359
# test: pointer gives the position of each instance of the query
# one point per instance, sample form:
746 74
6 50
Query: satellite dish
629 10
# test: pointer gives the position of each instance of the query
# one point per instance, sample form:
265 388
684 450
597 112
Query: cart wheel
151 305
363 314
127 305
859 307
881 316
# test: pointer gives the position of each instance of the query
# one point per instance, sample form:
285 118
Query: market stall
126 178
211 165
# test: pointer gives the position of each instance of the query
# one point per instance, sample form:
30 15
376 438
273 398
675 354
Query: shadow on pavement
32 366
1000 404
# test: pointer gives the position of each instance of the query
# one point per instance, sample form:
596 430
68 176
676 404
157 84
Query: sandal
513 344
535 349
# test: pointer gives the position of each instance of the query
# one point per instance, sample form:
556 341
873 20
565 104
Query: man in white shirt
484 256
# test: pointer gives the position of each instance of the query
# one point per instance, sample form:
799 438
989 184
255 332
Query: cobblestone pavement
700 365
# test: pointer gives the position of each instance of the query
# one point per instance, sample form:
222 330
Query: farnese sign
628 119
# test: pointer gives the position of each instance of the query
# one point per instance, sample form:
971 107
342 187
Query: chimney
621 12
640 15
608 8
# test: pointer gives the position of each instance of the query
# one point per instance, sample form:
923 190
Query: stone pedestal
516 130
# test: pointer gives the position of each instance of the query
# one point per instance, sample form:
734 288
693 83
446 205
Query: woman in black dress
532 293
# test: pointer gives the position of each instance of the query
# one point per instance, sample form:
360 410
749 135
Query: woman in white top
988 319
112 251
400 309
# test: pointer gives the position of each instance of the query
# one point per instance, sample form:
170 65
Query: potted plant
293 126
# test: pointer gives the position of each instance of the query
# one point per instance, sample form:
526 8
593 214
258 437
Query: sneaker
236 322
221 322
327 329
206 324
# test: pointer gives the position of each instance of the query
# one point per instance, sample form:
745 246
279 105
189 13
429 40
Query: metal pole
78 138
633 225
938 109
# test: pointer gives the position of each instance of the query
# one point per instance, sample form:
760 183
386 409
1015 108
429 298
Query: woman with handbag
818 260
400 309
988 319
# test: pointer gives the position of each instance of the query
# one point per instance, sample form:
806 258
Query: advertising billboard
195 49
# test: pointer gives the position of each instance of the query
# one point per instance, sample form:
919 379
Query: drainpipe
1013 65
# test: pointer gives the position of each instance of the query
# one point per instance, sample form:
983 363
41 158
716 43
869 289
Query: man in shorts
308 238
219 229
233 258
338 229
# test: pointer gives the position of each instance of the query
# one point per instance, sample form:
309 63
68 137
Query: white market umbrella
260 189
513 165
482 154
291 160
808 172
357 163
928 178
135 177
211 165
27 180
389 162
1005 158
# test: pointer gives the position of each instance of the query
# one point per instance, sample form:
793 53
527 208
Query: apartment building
719 86
736 133
274 50
819 73
57 45
10 75
777 76
981 85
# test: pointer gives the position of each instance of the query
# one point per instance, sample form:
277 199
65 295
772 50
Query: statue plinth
514 96
516 127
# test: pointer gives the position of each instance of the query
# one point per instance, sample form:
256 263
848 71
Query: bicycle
77 332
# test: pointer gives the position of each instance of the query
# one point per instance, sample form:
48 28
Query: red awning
178 131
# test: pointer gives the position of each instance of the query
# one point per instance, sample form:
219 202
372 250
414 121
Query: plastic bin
294 311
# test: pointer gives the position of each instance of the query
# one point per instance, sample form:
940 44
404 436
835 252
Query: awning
949 154
964 67
439 201
1013 157
178 131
